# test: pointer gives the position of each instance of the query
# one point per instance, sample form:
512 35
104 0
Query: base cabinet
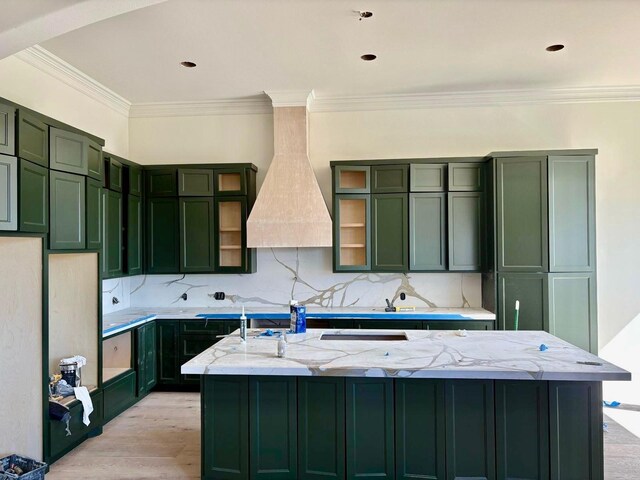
146 356
119 395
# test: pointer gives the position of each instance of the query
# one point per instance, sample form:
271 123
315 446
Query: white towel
79 359
82 394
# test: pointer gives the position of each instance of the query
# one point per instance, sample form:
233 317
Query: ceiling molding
602 94
49 63
240 106
290 98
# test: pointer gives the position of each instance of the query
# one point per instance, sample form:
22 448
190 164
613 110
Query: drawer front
459 325
214 327
389 325
119 395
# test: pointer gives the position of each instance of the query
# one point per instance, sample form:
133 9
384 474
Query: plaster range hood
290 210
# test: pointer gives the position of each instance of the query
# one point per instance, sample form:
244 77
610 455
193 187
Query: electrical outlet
219 295
403 296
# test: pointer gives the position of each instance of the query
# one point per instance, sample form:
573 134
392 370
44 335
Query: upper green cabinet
465 231
521 198
94 161
113 235
7 130
34 197
230 181
8 193
133 175
351 179
197 245
162 234
134 235
95 210
67 211
390 178
33 139
115 177
428 177
465 177
68 151
389 232
161 182
427 231
195 182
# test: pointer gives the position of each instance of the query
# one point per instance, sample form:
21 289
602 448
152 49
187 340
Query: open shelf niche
230 228
353 231
116 356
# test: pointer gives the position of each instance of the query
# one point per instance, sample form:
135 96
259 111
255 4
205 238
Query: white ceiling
243 47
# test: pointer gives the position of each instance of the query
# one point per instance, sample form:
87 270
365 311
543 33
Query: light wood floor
160 438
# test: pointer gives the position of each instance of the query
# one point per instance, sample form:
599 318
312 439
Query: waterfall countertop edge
129 318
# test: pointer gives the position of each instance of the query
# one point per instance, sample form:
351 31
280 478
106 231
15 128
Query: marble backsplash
303 274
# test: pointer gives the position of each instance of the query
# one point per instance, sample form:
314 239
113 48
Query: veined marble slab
426 354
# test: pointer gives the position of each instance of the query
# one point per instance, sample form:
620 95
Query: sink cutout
368 337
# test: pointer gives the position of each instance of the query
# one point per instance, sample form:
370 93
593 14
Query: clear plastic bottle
282 345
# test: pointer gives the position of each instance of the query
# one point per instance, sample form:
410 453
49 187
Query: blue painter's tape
129 324
340 315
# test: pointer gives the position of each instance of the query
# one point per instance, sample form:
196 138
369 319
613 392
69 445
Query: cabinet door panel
389 179
161 182
94 214
114 233
8 193
67 209
33 139
141 364
390 232
68 151
197 182
95 161
34 197
465 177
531 290
427 230
134 235
168 352
465 231
7 130
522 214
115 178
162 235
428 177
150 356
134 181
197 246
572 230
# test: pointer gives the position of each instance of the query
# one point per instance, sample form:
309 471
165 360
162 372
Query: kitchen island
395 404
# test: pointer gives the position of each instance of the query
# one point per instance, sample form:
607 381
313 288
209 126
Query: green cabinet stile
390 232
521 196
197 246
273 428
168 348
8 193
427 231
113 234
225 418
33 139
162 235
95 209
321 428
34 197
470 438
7 130
465 231
134 235
67 211
68 151
420 429
370 428
522 430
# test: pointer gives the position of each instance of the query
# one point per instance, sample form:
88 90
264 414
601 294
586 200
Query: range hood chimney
290 210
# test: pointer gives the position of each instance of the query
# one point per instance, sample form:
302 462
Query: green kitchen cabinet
465 177
321 428
531 289
370 428
428 177
95 162
390 179
162 235
190 347
146 358
202 327
34 197
273 427
168 352
68 151
572 231
7 130
161 182
572 314
459 325
388 325
197 244
8 193
419 429
351 179
351 232
427 231
119 394
576 438
115 178
113 234
225 418
134 185
195 182
522 226
232 255
470 439
390 232
134 250
522 430
95 210
465 231
33 139
67 201
230 181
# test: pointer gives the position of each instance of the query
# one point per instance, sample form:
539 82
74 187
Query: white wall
26 85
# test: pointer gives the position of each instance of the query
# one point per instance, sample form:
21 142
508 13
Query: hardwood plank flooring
160 438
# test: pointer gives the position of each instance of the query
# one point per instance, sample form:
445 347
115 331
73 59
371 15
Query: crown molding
290 98
239 106
602 94
53 65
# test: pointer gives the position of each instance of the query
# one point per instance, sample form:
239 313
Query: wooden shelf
352 245
352 225
230 247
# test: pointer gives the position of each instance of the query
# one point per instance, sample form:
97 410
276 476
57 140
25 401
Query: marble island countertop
426 354
123 320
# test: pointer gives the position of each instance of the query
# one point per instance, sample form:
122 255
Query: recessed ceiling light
188 64
367 57
554 48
